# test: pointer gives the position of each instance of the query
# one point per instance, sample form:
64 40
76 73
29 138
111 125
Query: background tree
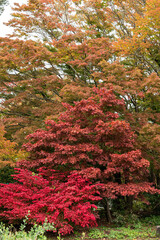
8 153
142 44
2 4
59 63
9 156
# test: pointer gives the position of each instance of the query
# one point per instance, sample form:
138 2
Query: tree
2 3
28 67
8 153
142 45
136 29
90 139
74 47
9 156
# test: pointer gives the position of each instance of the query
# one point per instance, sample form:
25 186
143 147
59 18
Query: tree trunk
107 210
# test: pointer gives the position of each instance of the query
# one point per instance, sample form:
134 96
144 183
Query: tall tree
88 148
74 47
91 139
55 60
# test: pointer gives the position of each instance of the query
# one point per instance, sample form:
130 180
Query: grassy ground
137 230
124 228
104 233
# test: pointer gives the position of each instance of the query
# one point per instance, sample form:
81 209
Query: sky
6 16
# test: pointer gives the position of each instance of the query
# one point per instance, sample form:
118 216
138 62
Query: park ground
136 230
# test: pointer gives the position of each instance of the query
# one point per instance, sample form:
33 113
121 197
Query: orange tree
9 156
8 153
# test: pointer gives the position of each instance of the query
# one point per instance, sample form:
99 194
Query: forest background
63 52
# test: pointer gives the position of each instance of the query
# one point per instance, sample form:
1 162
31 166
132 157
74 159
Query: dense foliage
91 138
108 138
9 155
63 201
60 50
88 141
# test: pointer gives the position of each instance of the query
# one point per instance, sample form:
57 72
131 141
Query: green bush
36 233
123 219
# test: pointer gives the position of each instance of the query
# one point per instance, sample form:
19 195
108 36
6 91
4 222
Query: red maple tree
92 139
88 142
64 201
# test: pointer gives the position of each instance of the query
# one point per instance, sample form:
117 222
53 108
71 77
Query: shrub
63 201
36 232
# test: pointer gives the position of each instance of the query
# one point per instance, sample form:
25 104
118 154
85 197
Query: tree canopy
57 54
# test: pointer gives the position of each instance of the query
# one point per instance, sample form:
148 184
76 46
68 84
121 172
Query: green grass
120 233
144 229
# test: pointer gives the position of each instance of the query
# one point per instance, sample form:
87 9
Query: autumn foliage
91 139
88 141
74 47
86 74
9 155
62 200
